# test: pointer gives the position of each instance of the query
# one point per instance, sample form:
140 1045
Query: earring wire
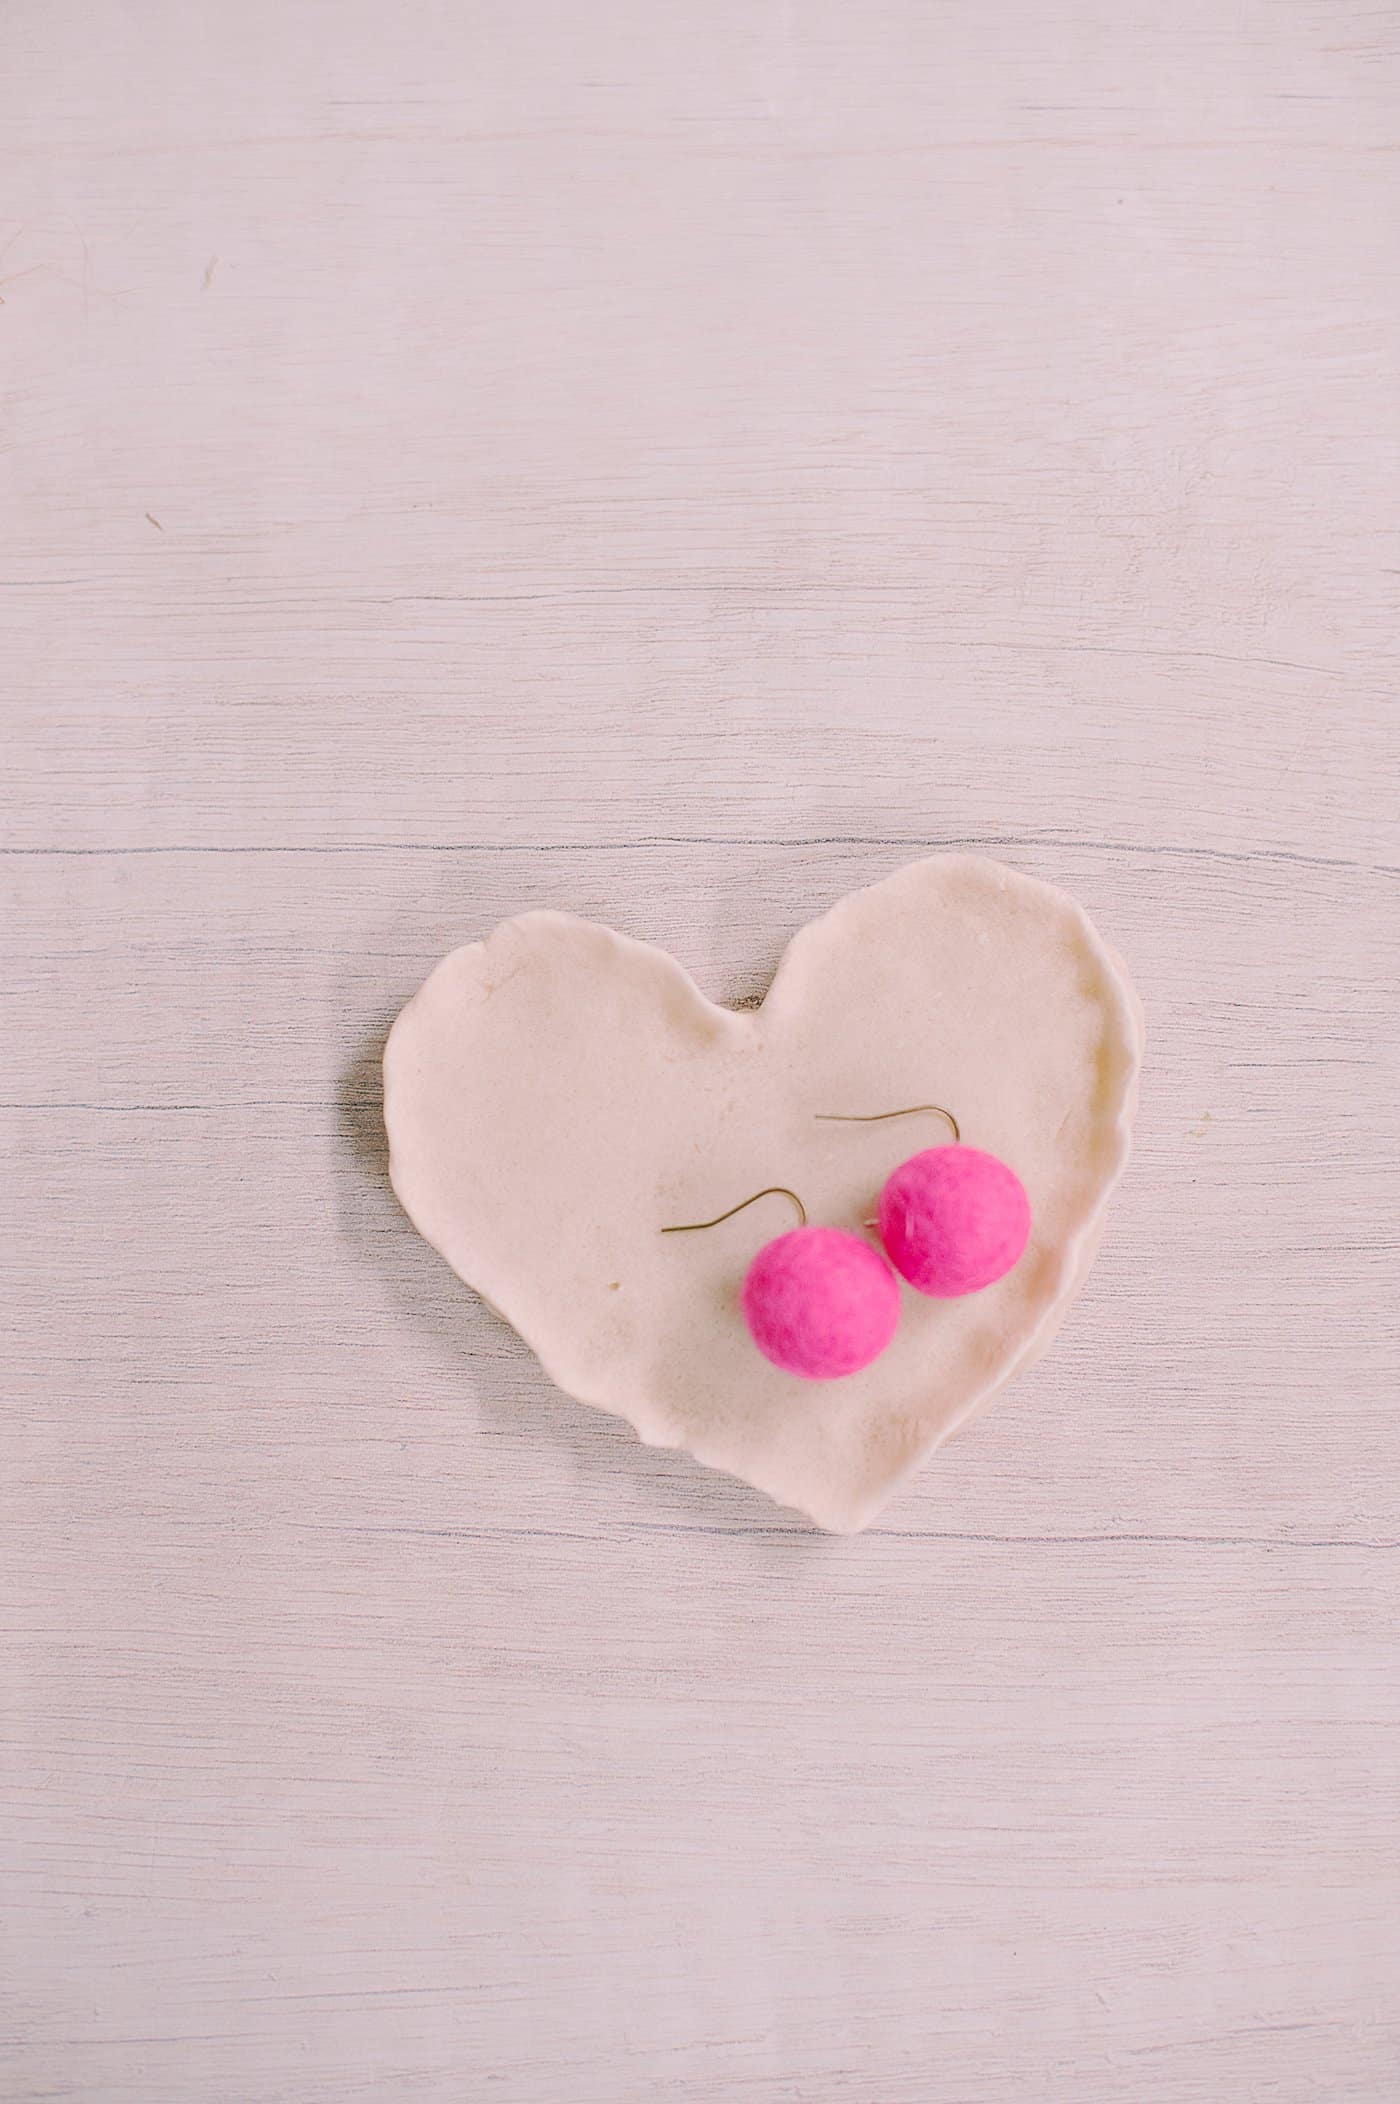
692 1227
828 1117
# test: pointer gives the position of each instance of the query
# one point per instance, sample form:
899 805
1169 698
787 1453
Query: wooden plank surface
678 463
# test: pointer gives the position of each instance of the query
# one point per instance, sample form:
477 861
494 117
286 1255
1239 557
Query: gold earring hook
829 1117
693 1227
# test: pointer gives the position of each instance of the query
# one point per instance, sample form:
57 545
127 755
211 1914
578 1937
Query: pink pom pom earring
952 1219
818 1302
821 1303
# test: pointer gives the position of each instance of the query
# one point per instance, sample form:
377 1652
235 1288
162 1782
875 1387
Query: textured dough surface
556 1095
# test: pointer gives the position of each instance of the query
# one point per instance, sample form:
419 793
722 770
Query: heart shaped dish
557 1095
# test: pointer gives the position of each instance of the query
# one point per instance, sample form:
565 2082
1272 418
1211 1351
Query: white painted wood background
677 461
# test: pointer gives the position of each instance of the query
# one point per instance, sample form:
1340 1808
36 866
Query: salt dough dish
556 1095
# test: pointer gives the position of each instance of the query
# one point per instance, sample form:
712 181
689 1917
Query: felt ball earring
818 1302
952 1219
